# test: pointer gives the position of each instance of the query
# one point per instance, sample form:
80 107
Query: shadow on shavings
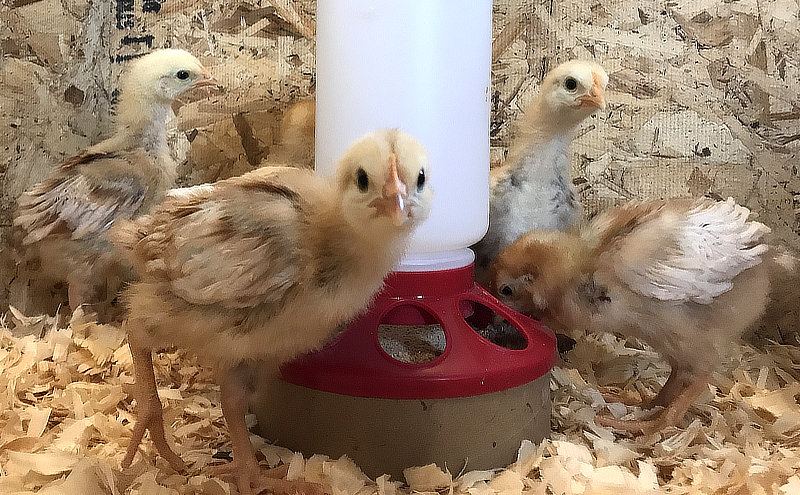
65 423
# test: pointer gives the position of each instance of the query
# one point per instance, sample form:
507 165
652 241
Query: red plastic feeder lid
355 363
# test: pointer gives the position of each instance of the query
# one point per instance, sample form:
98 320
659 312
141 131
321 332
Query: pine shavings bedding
66 420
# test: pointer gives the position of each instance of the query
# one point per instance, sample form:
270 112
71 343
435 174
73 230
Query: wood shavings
427 478
66 425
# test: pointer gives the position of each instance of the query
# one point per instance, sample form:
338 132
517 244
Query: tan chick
532 189
296 142
685 276
254 270
67 217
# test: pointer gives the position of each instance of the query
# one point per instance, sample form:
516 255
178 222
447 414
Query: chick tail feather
779 322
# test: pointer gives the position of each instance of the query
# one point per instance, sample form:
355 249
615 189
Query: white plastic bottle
422 66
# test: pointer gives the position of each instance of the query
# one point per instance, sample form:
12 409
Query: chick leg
689 384
86 289
249 478
106 310
676 383
148 408
76 292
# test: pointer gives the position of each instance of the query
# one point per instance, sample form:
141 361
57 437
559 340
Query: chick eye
506 291
182 74
571 84
421 180
362 180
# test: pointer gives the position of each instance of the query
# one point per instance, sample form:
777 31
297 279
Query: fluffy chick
260 268
686 276
296 142
532 188
67 216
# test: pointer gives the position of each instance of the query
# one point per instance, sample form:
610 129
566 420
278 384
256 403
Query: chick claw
252 480
634 426
149 418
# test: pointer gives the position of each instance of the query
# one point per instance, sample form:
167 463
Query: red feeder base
346 394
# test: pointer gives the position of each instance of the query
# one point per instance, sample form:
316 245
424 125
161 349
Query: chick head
533 273
574 90
383 180
163 75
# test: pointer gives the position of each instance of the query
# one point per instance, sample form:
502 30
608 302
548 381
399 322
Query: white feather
715 244
190 192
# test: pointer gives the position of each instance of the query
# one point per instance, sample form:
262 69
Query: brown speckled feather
256 222
84 198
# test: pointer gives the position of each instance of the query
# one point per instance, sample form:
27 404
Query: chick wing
237 243
80 202
682 251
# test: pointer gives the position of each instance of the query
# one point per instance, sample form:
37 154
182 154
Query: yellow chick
532 189
686 276
67 217
258 269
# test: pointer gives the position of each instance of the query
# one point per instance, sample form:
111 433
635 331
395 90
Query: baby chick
296 142
532 188
257 269
67 216
686 276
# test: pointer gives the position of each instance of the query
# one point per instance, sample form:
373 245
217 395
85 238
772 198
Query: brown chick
296 142
257 269
67 217
686 276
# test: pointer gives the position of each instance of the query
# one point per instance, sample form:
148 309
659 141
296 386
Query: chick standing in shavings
66 218
685 276
257 269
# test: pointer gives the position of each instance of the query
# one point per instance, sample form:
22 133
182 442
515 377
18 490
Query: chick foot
245 469
250 479
148 409
149 418
671 415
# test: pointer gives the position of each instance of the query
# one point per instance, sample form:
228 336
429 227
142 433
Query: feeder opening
410 334
491 326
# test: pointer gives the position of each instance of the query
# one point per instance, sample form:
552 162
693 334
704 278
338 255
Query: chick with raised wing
257 269
532 188
685 276
67 216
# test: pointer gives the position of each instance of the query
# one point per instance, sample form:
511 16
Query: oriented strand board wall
703 94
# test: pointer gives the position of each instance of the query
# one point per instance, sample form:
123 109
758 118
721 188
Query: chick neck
541 127
142 121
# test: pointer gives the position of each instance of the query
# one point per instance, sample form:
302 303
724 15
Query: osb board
65 421
703 97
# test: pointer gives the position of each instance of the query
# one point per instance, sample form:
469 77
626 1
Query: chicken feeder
423 67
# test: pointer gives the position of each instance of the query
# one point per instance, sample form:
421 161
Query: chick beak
206 80
596 97
392 202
